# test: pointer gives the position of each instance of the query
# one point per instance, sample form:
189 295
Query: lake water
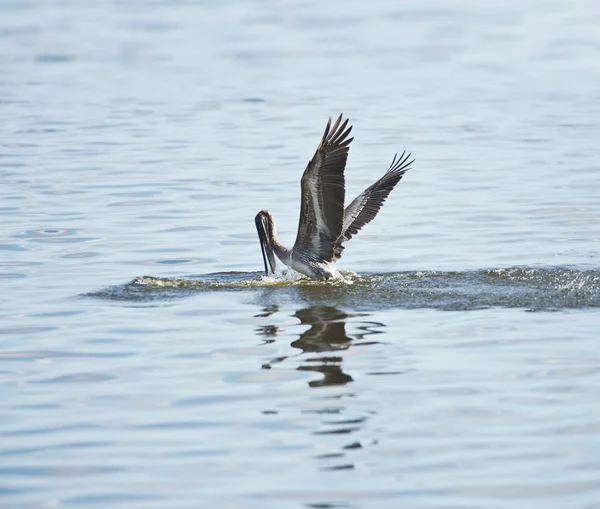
145 363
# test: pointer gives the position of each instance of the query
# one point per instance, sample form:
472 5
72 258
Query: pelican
324 223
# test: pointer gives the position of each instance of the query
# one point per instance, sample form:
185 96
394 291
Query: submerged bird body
324 222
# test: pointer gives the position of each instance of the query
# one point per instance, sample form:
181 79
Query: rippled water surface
144 360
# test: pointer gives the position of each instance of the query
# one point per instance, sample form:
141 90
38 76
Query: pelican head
265 226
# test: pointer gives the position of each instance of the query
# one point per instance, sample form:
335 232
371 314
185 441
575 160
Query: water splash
528 288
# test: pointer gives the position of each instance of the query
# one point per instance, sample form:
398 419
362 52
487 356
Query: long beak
265 243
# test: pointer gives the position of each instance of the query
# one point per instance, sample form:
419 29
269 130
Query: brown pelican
324 224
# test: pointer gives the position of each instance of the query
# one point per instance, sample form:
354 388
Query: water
145 363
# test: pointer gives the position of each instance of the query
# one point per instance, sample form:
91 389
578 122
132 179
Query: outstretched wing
366 205
323 194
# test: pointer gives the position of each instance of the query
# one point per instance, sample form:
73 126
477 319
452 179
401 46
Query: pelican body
324 222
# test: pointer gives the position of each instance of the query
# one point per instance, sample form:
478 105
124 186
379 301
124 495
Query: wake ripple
529 288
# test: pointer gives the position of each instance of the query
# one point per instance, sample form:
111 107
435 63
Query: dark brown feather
323 189
365 206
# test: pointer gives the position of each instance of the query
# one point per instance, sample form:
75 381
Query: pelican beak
263 227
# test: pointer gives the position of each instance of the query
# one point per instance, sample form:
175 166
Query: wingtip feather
401 164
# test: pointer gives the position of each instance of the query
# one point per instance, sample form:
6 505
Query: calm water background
140 138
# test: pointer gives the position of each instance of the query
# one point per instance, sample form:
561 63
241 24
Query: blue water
143 361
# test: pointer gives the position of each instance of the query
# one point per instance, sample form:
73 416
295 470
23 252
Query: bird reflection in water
321 350
327 333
